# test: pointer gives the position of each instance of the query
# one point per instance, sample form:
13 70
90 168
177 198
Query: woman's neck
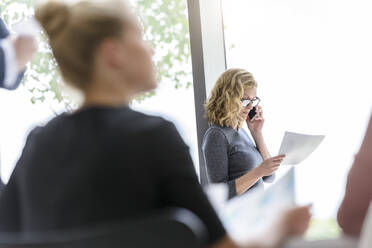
104 95
235 125
102 100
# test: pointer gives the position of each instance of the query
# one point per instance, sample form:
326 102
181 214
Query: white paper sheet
297 147
251 213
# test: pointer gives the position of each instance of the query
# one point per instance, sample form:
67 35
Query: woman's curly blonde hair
224 105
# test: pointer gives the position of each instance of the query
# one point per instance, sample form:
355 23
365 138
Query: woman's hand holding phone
255 123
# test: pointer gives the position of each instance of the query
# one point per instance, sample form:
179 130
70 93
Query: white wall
313 63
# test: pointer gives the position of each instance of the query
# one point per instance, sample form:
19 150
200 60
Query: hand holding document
297 147
250 214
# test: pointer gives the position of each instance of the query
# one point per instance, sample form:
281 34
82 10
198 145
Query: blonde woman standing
231 156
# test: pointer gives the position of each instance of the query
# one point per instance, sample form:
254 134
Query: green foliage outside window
323 229
165 26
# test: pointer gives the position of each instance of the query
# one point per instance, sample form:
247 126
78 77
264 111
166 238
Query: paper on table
297 147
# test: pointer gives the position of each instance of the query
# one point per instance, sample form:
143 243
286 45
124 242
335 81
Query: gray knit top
229 154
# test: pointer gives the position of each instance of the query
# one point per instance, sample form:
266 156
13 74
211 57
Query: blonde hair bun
77 29
53 17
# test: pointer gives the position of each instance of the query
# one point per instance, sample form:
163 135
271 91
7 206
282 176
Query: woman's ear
109 51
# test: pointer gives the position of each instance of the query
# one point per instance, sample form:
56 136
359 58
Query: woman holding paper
231 156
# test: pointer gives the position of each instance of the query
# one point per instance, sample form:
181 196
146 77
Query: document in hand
251 213
297 147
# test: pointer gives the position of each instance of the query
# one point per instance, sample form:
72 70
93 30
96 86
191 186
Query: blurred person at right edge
358 193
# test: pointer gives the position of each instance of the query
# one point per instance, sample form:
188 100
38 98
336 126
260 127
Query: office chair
176 228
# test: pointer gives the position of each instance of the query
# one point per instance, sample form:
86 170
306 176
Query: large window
312 61
40 97
176 105
166 26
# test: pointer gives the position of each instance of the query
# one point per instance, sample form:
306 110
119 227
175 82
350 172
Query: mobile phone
252 114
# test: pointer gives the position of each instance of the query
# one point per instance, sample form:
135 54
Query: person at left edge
15 53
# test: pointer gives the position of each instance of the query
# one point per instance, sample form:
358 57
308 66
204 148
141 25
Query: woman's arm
267 168
215 151
255 127
262 148
246 181
261 145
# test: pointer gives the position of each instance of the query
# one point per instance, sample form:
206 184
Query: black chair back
176 228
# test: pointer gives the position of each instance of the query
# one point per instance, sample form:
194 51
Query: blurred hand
294 222
269 166
258 121
25 48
